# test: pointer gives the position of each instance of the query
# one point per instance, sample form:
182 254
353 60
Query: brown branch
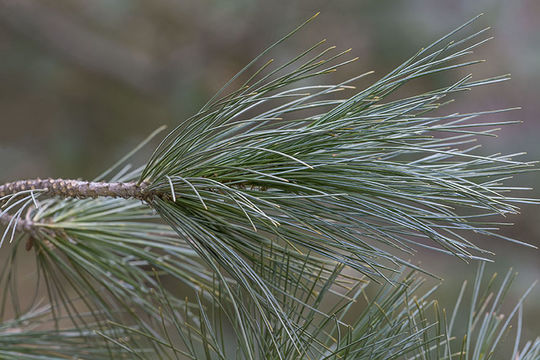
79 189
69 189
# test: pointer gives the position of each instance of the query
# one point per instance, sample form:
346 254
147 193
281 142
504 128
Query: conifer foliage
276 223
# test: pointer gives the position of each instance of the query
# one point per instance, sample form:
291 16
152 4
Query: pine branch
65 188
263 193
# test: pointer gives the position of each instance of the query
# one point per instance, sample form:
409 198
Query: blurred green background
81 82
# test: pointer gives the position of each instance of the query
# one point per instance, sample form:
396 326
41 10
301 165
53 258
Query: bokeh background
81 82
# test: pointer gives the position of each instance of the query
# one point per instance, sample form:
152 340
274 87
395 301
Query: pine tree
276 223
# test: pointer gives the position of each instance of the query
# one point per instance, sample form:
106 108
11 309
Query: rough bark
78 189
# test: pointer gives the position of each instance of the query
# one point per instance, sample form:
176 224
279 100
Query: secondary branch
21 224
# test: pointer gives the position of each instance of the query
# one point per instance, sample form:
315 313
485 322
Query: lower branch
20 224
